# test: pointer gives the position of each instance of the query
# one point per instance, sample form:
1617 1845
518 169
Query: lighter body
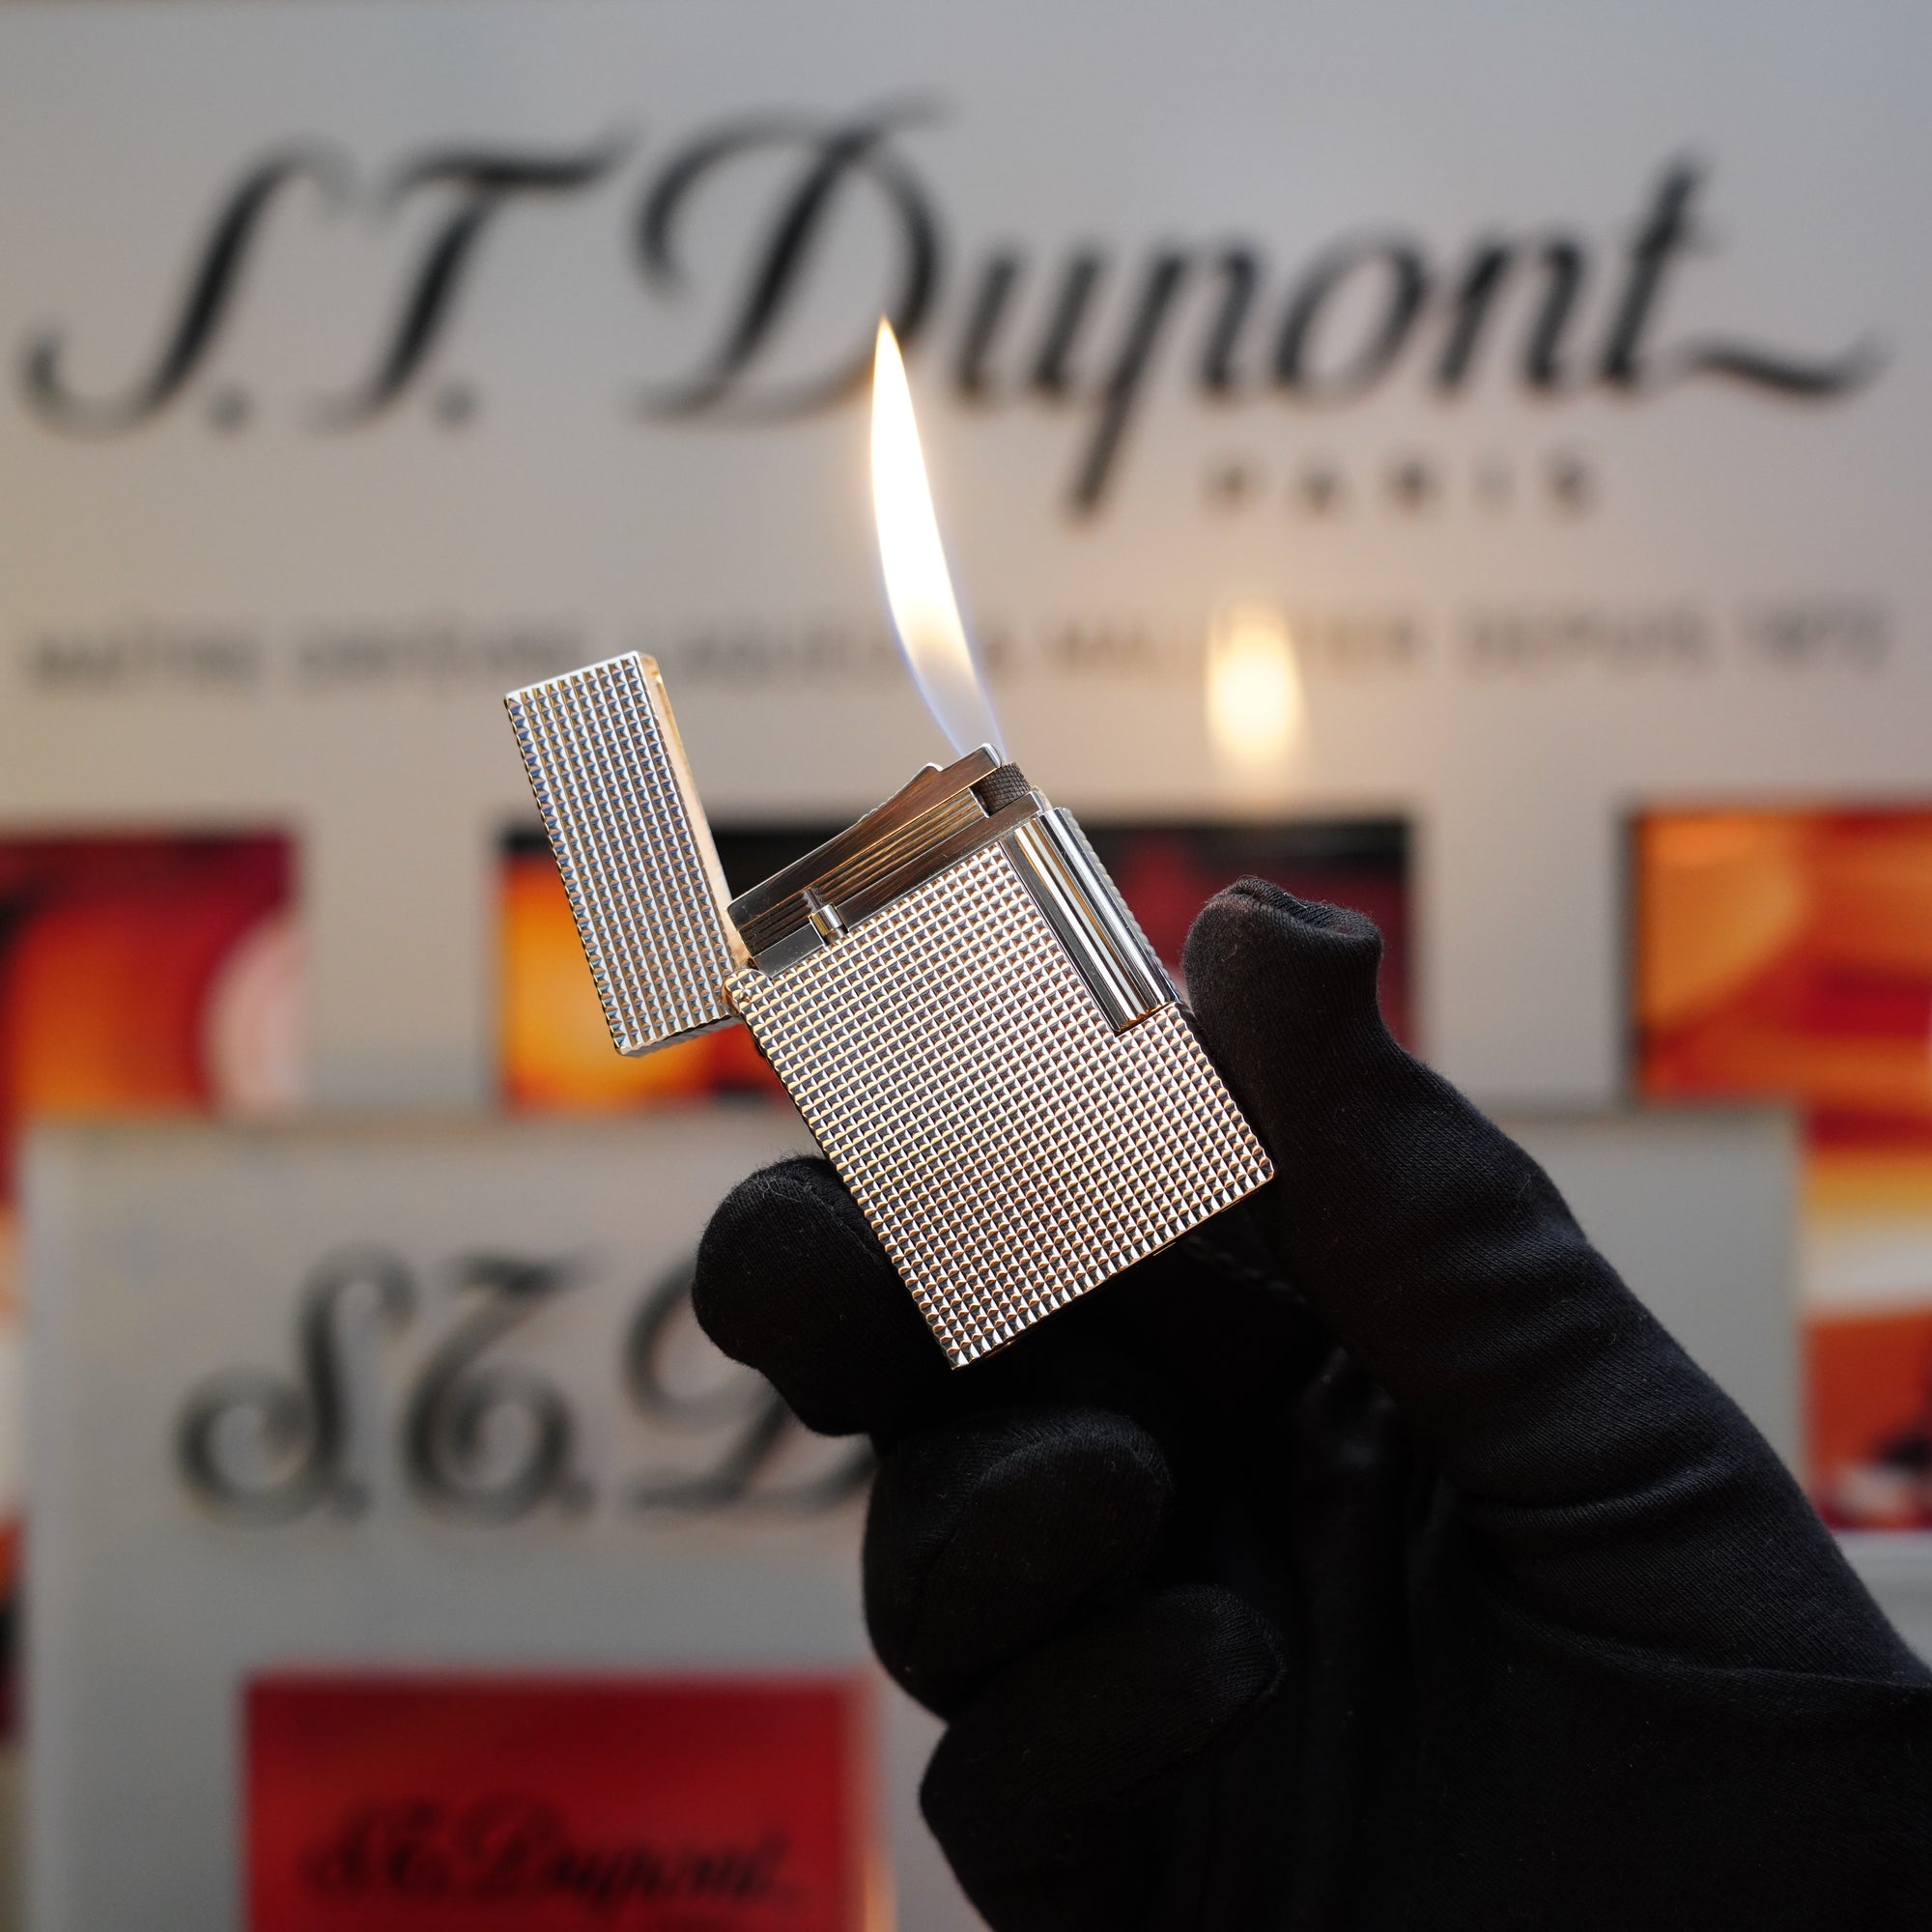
951 991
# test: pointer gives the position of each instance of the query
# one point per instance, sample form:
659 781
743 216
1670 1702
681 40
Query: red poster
481 1803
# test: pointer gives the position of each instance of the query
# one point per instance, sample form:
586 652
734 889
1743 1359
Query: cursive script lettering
209 293
482 183
266 1449
491 1443
1086 329
510 1849
483 1440
834 157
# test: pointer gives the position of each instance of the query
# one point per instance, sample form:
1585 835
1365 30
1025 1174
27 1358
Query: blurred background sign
444 1802
361 1451
425 1409
1557 390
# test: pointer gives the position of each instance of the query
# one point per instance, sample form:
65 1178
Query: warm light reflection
1256 711
916 584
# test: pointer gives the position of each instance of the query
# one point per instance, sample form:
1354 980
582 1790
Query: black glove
1370 1558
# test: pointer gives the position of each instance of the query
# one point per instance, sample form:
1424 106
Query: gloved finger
1583 1438
1045 1785
987 1535
791 1280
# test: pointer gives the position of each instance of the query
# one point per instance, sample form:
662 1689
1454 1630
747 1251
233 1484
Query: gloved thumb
1619 1485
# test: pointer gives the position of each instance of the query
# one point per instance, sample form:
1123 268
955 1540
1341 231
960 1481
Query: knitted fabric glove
1370 1558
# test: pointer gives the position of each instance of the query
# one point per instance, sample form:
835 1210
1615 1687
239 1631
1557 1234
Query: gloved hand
1371 1558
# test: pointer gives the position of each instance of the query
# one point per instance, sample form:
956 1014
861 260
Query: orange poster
151 973
1788 954
557 1052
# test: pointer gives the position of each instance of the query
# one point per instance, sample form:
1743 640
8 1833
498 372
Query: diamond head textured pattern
1010 1148
629 851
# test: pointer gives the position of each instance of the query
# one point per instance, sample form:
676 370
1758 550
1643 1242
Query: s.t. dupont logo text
770 205
511 1854
481 1437
460 1801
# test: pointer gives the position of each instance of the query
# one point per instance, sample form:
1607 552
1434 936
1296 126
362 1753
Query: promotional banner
380 1481
448 1802
1554 377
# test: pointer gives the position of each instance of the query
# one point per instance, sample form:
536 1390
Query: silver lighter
951 991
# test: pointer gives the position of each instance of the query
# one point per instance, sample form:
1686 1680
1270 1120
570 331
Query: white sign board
1560 376
428 1397
394 1398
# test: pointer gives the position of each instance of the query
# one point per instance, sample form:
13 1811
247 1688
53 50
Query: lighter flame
916 584
1256 711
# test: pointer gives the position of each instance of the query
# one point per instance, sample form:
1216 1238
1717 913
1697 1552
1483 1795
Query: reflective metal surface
951 991
631 844
1009 1145
1059 869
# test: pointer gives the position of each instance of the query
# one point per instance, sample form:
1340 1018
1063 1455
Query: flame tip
918 590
